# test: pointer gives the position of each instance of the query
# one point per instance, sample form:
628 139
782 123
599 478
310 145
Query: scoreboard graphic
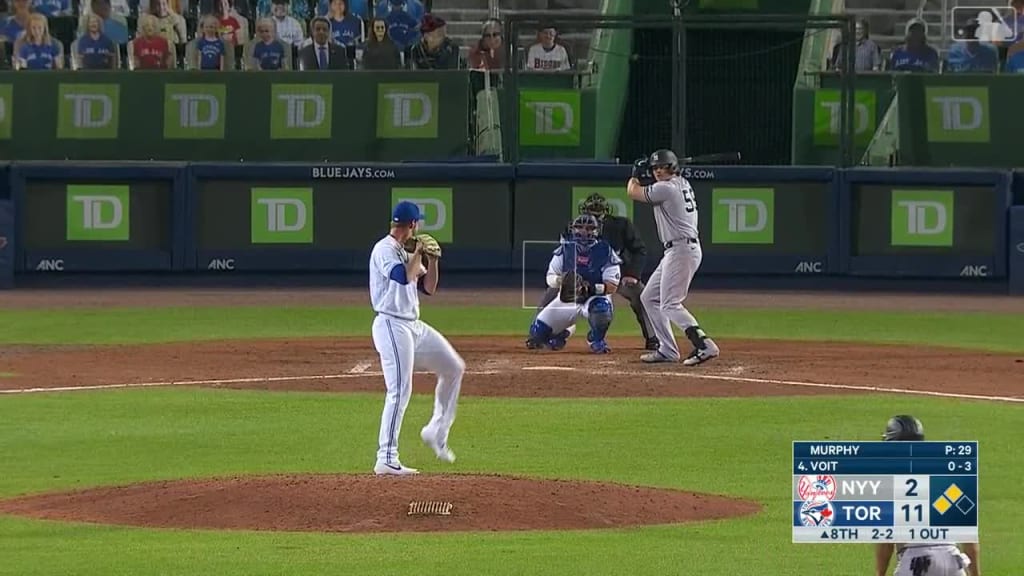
898 492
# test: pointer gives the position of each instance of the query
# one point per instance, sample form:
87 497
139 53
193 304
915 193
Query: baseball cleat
384 469
532 345
433 440
652 344
600 347
702 355
655 358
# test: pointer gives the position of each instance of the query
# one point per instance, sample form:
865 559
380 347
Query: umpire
621 235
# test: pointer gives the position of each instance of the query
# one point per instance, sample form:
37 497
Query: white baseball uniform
675 213
405 343
561 315
931 560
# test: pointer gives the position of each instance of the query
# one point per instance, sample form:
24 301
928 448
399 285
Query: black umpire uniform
620 233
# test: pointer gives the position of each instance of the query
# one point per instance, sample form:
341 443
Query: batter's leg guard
540 332
697 337
599 315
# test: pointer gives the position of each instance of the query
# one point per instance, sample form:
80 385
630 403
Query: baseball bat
713 158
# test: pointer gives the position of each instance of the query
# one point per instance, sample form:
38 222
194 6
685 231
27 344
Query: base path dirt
366 503
501 366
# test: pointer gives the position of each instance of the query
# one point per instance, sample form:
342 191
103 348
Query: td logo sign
828 119
922 218
435 205
743 216
98 213
549 118
957 114
281 215
618 199
194 111
87 111
407 110
300 111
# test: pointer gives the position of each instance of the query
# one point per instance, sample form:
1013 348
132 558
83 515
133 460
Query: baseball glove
430 247
573 288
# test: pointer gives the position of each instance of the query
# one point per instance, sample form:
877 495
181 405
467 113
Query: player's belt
672 243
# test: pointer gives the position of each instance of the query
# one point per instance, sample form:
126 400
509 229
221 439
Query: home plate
563 368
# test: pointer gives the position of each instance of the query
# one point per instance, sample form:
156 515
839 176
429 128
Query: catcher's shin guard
540 333
599 315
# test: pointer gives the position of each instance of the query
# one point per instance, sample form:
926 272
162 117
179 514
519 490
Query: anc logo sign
407 110
957 114
435 205
282 215
194 111
828 119
922 218
549 118
6 110
98 212
300 111
743 216
87 111
618 200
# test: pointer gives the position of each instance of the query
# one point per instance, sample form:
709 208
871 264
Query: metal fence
698 83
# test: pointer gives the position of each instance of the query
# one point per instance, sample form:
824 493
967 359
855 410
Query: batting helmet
903 427
596 205
664 158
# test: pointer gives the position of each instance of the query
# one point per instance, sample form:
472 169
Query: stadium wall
763 221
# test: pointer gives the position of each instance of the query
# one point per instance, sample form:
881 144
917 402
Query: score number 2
912 509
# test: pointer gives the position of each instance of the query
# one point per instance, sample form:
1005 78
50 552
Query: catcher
620 234
585 271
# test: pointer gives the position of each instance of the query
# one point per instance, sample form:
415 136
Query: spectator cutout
169 23
289 29
51 8
210 49
323 53
381 52
915 55
17 22
346 28
358 8
114 25
413 7
868 54
234 28
94 50
299 10
489 53
403 27
269 53
547 54
435 50
150 49
36 49
972 55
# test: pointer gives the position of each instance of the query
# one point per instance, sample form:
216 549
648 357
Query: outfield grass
733 446
997 332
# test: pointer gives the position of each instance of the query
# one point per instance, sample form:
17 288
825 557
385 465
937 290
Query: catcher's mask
903 427
586 230
596 205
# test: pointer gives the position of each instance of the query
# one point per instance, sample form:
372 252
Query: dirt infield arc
365 503
500 366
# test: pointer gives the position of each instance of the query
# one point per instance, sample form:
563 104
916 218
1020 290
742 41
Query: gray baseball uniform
931 560
675 212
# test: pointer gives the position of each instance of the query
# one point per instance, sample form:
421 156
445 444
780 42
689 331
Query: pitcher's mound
351 503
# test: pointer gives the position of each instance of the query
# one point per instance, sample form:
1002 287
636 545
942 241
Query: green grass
128 325
738 447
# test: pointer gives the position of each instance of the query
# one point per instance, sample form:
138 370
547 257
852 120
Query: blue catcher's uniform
598 264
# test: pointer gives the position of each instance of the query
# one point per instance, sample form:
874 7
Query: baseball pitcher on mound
585 271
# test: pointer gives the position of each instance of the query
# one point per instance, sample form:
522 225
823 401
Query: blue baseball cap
406 211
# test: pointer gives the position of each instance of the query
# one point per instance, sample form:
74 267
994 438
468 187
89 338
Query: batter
405 343
675 213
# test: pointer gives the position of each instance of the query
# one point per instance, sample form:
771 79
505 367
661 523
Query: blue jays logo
816 487
583 260
817 513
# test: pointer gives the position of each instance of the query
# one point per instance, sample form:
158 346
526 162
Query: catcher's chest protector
587 263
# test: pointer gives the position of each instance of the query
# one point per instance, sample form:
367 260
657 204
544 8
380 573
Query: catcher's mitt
573 288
